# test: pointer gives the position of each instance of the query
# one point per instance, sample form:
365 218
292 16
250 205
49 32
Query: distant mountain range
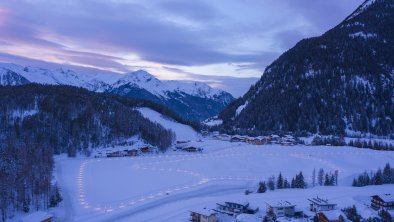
339 83
191 100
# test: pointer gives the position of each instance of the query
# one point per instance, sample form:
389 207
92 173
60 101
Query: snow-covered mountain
191 100
339 83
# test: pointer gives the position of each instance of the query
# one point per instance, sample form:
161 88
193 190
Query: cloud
95 33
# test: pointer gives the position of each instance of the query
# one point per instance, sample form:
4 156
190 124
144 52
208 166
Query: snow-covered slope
147 81
191 100
182 132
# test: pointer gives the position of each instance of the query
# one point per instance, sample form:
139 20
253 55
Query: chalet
39 216
224 137
330 216
319 204
382 202
288 140
233 209
115 154
257 140
191 149
281 209
145 149
132 152
203 216
238 138
181 141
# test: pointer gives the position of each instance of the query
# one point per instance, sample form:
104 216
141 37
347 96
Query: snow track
149 183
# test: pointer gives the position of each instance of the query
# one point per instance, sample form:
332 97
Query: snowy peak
191 100
9 77
147 81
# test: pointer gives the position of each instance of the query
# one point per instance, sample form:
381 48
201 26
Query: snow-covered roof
387 197
281 204
36 217
203 211
320 201
333 215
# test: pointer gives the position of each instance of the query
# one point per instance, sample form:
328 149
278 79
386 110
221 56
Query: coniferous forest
39 121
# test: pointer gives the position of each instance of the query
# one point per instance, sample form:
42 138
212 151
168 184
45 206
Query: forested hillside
338 83
37 121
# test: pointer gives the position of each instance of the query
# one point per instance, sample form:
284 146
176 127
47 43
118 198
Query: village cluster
320 210
285 140
113 152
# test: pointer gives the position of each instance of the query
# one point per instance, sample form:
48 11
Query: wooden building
281 209
330 216
132 152
203 216
319 204
233 209
145 149
382 202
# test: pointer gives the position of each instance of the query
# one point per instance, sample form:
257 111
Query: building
260 140
39 216
233 209
382 202
191 149
115 154
238 139
132 152
203 216
145 149
281 209
330 216
319 204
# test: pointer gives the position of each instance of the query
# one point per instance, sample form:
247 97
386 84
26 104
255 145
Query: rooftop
387 197
281 204
320 201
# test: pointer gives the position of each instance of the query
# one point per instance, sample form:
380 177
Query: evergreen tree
262 187
387 174
326 180
320 177
279 183
378 178
286 184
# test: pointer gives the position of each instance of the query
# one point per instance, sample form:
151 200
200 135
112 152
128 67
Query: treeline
375 178
38 121
375 145
358 143
298 181
325 179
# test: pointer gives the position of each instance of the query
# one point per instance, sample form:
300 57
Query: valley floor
165 187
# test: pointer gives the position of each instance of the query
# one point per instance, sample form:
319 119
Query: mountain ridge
337 83
192 100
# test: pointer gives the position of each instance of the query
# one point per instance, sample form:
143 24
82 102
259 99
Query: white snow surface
182 132
147 81
363 35
164 187
240 108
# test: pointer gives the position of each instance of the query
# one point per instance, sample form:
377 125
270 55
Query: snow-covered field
164 187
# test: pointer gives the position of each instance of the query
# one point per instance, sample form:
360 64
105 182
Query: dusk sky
173 39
